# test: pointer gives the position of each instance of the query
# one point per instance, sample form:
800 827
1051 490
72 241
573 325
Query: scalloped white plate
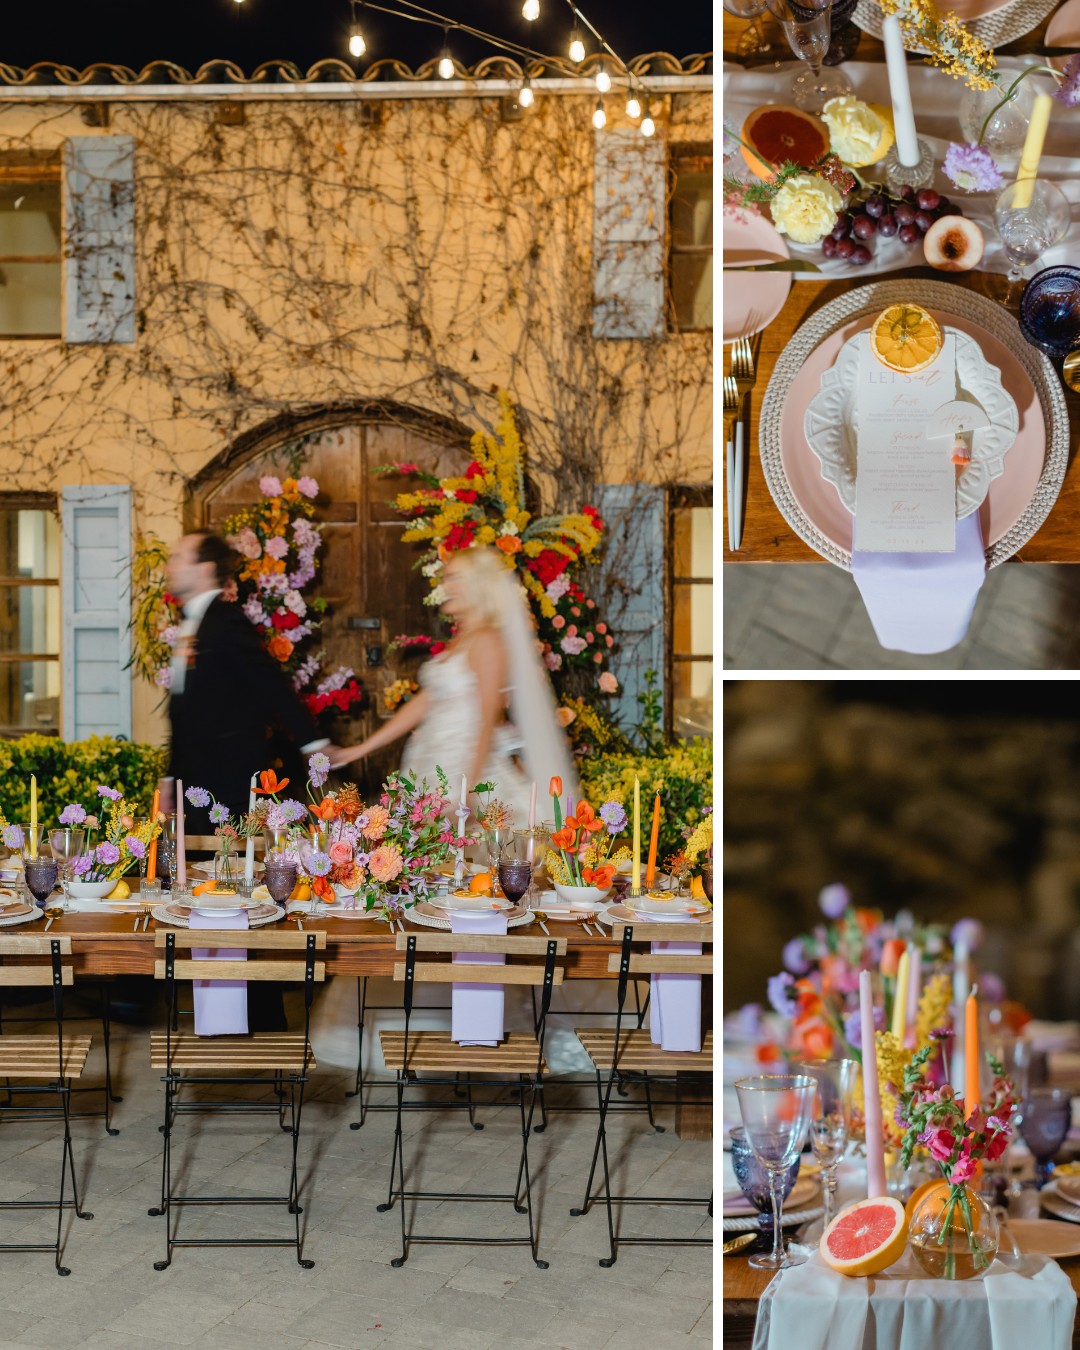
831 422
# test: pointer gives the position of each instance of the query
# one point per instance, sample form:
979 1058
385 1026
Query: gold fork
742 369
731 412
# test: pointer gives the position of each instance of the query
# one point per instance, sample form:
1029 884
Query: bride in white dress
485 698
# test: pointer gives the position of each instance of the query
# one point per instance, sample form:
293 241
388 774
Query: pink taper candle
532 806
875 1146
181 859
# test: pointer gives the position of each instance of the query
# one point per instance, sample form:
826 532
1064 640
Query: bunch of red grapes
908 216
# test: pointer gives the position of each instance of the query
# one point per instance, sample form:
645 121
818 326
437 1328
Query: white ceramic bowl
580 895
90 890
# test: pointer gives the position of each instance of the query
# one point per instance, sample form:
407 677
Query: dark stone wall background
946 798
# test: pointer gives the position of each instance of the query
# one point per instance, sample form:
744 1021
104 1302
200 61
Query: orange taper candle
650 868
151 852
971 1060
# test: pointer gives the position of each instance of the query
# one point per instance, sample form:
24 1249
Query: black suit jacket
237 715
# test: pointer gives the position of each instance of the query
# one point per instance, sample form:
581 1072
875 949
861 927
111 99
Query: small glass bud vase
919 175
225 869
954 1234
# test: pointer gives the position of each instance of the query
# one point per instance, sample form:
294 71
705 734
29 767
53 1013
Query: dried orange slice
906 338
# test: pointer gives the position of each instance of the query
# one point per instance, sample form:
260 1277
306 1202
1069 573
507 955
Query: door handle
354 621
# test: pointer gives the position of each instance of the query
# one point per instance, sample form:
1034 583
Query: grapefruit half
866 1238
776 133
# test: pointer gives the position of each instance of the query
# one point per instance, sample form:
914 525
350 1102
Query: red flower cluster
547 565
594 516
460 536
284 619
474 470
467 495
341 699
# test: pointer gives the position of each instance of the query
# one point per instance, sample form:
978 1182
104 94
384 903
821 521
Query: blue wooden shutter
629 213
632 585
99 245
95 586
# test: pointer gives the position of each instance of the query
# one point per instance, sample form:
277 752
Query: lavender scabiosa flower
834 900
613 814
780 987
968 931
794 957
198 796
73 814
1068 92
219 813
971 168
110 793
13 836
318 768
318 864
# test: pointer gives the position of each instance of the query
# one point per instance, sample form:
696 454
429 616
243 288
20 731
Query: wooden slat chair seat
38 1056
517 1062
186 1059
435 1052
638 1054
57 1057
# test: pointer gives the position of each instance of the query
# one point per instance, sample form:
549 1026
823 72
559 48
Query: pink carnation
270 486
608 683
277 547
552 660
307 487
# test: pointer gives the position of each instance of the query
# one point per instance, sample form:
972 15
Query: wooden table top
767 537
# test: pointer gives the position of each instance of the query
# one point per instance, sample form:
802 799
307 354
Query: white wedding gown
446 738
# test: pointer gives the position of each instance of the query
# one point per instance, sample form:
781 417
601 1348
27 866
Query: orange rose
564 716
817 1040
508 543
279 647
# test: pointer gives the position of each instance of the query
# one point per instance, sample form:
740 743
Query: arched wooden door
368 575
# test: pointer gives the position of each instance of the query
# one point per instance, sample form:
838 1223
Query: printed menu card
905 481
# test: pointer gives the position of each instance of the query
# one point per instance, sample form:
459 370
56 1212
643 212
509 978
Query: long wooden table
767 537
105 944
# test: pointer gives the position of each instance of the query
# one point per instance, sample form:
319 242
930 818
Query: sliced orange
866 1238
481 884
905 337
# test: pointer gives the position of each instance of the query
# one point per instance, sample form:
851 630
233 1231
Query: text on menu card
905 483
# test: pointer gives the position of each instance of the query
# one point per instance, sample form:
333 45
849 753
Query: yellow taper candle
635 875
33 816
900 999
1033 148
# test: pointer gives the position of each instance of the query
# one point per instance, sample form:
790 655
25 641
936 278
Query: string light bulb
446 61
526 96
357 45
531 10
603 80
577 47
599 117
633 107
648 127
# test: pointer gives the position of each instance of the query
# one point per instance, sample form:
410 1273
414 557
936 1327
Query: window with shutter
30 289
629 219
96 590
690 261
99 248
689 702
29 616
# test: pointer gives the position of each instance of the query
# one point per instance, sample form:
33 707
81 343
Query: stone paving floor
445 1296
809 616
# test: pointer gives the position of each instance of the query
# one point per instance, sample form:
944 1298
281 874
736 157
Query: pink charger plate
752 299
966 10
1063 29
1009 495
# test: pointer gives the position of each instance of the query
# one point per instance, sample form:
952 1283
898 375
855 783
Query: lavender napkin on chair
477 1009
923 602
675 1001
220 1005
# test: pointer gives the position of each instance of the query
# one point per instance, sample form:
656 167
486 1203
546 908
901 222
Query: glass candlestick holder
917 176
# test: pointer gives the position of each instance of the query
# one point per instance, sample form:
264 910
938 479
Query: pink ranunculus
572 630
270 486
590 637
307 487
558 621
340 853
608 683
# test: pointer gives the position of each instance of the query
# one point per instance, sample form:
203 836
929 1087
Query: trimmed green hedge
682 775
70 771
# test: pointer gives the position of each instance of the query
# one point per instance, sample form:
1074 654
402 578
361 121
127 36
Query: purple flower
109 792
318 864
219 813
107 852
969 932
834 900
991 986
13 836
307 487
74 814
971 167
794 957
163 679
853 1028
780 987
83 864
294 810
318 768
277 547
198 796
613 814
1069 90
270 486
135 847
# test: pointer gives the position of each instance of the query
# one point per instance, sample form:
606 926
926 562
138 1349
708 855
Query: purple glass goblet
754 1180
41 874
280 880
1044 1123
514 878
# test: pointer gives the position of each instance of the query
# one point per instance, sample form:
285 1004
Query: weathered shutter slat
99 246
95 595
629 225
632 582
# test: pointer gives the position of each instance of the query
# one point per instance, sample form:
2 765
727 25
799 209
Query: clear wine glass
776 1111
1031 216
754 1180
831 1120
754 40
809 40
67 845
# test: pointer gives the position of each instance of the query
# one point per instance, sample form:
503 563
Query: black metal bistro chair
281 1060
56 1058
516 1063
628 1052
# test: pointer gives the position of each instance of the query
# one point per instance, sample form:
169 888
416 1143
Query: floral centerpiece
486 506
124 837
228 832
955 1235
581 853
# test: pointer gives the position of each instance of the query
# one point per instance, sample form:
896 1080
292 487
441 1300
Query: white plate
646 905
831 422
235 905
624 915
470 902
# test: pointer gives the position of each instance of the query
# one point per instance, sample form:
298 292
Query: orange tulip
585 819
601 876
891 952
564 838
327 809
322 888
555 786
269 784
